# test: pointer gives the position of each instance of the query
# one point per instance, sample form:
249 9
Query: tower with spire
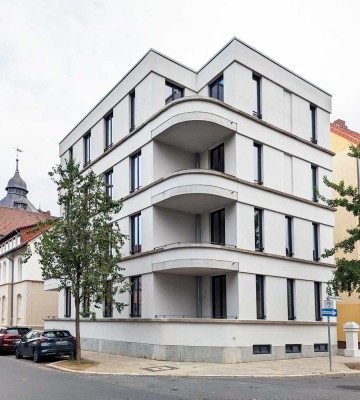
16 188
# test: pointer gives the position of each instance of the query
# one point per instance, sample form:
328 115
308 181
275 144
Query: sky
58 58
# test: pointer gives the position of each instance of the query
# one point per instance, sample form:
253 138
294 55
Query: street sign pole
329 343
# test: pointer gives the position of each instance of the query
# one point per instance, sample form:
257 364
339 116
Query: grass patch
83 366
353 365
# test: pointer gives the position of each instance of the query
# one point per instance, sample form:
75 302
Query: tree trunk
77 328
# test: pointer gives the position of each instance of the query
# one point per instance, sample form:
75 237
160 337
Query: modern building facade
217 170
345 168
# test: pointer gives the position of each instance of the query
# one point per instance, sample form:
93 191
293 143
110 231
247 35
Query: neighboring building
17 193
23 300
345 168
217 170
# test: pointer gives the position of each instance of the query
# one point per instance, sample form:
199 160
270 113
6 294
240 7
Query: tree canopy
346 277
82 249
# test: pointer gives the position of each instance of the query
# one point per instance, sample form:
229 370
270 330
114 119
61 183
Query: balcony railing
180 316
174 244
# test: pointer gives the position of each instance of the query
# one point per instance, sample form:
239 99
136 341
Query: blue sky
58 58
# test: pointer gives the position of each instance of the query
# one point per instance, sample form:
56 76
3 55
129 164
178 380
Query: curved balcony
189 258
194 131
194 192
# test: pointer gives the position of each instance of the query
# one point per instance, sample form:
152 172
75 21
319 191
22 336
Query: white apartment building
216 169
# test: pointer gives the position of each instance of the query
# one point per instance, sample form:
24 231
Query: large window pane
258 225
217 89
136 234
217 160
108 131
291 299
318 298
135 171
135 282
260 297
258 163
288 237
257 96
217 220
172 92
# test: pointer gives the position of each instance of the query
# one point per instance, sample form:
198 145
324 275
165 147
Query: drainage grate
160 368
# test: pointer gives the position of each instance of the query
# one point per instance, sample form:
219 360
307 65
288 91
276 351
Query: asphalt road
23 379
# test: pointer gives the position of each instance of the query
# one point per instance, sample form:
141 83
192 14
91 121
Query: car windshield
57 334
13 331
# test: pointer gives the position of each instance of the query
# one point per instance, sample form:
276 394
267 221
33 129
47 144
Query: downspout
11 291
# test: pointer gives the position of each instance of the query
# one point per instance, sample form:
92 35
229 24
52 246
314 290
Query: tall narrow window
109 183
317 293
108 131
135 282
87 149
217 161
172 92
257 96
260 297
217 222
20 270
313 137
258 224
291 299
314 182
132 111
217 89
19 308
288 236
316 253
219 296
135 166
86 305
71 153
108 301
67 298
258 163
136 234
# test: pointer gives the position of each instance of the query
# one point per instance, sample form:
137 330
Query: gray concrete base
226 355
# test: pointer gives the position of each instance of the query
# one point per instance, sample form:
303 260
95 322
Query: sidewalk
122 365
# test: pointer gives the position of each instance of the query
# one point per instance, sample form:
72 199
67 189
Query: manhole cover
160 368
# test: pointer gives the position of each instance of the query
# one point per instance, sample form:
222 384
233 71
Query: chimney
340 123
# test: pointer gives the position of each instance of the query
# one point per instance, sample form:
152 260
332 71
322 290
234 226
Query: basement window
320 347
293 348
262 349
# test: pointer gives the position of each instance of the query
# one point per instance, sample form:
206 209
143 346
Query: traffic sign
329 312
329 303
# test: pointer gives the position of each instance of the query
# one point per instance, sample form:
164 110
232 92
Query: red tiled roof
338 127
12 218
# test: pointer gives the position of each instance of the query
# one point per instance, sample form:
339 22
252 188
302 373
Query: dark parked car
9 335
42 343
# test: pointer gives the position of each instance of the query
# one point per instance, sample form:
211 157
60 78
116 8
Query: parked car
9 335
43 343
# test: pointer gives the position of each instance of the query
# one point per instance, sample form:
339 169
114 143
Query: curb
156 374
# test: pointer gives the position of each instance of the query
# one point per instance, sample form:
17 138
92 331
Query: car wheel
18 353
36 356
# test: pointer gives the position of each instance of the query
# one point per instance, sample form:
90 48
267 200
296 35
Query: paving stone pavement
122 365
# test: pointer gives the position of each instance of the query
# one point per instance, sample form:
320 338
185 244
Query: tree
346 277
82 249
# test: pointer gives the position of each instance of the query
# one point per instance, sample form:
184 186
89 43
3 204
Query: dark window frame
71 153
135 171
259 234
321 348
290 284
258 163
135 298
132 110
136 237
257 113
318 300
87 149
108 309
109 183
175 91
316 241
217 158
260 297
108 131
219 309
262 349
216 88
217 220
67 303
289 248
293 348
313 137
315 182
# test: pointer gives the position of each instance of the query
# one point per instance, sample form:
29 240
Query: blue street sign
329 312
